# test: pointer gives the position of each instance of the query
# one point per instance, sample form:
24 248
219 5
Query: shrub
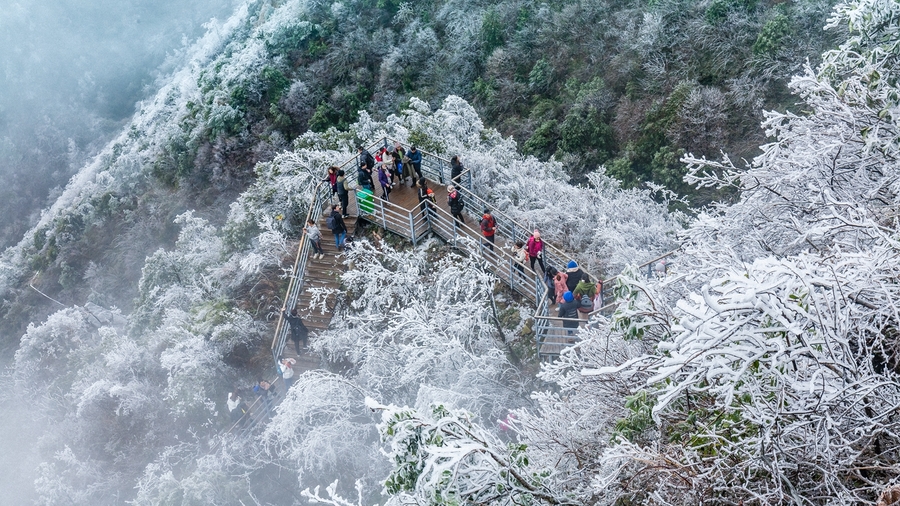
772 35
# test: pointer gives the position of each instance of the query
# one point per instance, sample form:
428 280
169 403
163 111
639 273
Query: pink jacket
559 283
534 246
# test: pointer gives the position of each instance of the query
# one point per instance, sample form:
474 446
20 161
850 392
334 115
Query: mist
70 75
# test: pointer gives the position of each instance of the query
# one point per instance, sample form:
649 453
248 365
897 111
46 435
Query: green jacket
583 288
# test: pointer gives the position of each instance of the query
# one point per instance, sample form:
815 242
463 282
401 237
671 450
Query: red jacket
488 225
534 246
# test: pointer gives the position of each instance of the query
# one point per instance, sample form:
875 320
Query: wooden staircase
320 273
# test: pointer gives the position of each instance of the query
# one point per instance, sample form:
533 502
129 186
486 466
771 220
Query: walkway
404 216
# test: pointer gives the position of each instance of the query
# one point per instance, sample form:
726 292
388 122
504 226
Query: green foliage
543 140
425 142
666 167
540 79
771 38
583 130
492 32
274 82
718 10
639 418
485 91
290 38
341 110
707 429
175 162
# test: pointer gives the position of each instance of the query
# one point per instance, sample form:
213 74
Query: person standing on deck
456 204
456 169
488 228
535 248
366 164
426 196
415 157
384 179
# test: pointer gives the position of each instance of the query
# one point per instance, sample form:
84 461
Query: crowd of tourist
569 287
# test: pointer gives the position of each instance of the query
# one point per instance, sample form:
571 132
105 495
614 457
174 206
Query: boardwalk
403 215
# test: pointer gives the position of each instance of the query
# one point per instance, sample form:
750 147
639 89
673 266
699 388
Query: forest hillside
630 85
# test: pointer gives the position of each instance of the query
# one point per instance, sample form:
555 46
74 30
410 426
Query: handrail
500 260
406 223
468 191
298 271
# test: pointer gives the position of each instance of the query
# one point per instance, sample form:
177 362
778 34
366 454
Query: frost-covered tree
763 370
770 369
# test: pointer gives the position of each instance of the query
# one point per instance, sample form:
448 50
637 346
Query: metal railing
320 198
552 336
498 260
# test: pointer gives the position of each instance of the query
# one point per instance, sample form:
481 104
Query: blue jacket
415 158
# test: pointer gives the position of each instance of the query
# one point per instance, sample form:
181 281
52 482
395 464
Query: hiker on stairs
287 371
336 223
299 332
575 274
535 247
314 236
343 191
488 228
236 407
331 178
569 309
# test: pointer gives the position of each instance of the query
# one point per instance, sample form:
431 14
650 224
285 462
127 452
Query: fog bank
70 74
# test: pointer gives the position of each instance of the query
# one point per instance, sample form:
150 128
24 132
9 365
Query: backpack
586 305
346 185
329 222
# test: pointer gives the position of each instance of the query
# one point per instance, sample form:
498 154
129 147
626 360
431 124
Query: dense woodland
761 370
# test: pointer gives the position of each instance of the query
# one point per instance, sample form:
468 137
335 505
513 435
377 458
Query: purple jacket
383 177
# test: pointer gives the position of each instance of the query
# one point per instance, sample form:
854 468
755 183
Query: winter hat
568 297
572 265
451 189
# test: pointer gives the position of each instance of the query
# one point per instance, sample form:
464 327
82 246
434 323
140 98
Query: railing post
412 226
454 230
